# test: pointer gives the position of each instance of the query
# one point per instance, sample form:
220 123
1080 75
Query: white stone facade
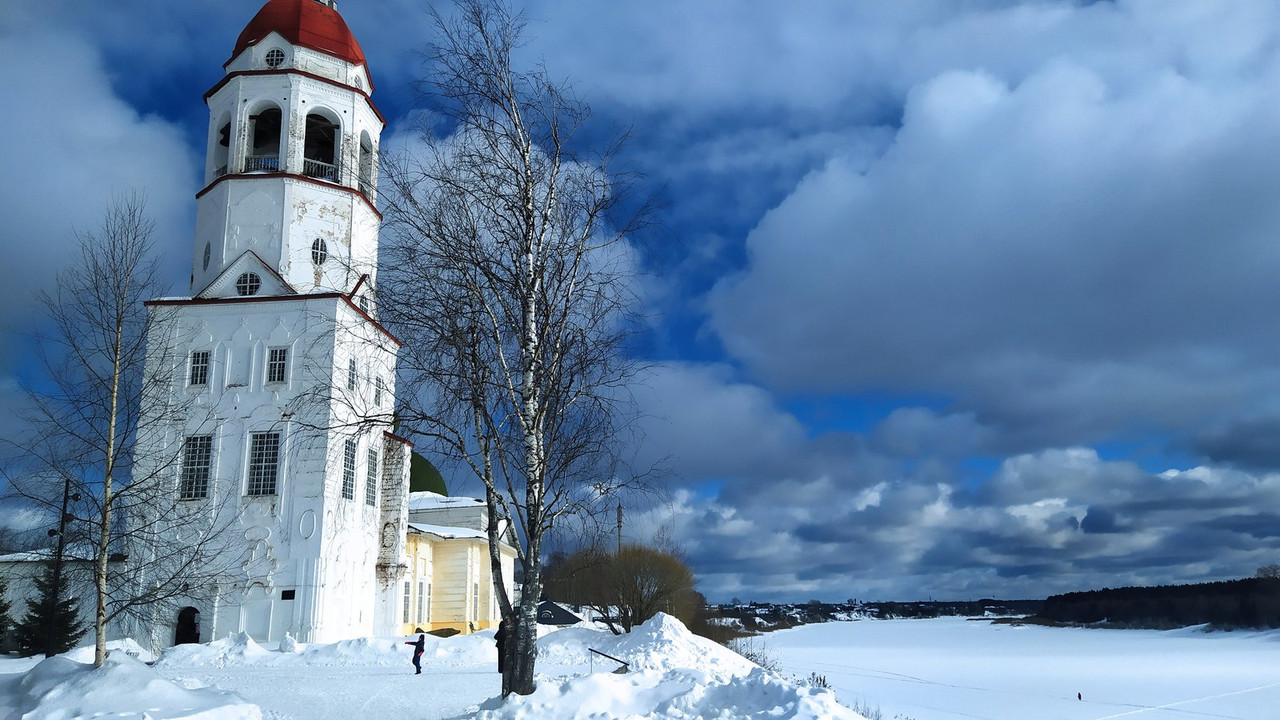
285 374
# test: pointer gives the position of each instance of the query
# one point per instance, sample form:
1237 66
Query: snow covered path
953 669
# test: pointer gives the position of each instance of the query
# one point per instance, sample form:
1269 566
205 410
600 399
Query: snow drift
123 687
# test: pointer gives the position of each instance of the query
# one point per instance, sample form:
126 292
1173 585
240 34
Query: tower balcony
257 163
320 170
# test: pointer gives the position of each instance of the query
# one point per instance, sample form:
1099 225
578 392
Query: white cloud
1053 237
74 146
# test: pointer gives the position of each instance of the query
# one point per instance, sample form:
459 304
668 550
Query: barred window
264 463
371 479
197 453
248 284
408 600
351 374
349 470
199 368
277 361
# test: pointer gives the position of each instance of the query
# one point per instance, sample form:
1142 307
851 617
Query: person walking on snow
417 652
500 638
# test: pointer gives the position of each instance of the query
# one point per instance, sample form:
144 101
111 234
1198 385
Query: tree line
1249 602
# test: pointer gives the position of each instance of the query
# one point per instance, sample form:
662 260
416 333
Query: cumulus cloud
1058 241
841 514
1068 520
76 145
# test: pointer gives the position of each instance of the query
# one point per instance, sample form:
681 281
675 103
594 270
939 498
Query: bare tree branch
515 296
92 447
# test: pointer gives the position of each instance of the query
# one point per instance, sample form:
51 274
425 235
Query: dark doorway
188 630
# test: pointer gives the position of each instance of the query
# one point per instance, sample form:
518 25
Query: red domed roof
309 23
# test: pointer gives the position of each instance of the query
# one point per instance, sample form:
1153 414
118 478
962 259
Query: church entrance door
188 630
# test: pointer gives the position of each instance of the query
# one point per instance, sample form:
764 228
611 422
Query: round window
319 251
275 56
248 284
208 251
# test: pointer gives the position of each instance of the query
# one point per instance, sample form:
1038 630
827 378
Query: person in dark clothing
417 652
500 637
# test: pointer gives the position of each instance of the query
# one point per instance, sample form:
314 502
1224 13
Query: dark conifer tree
52 624
5 620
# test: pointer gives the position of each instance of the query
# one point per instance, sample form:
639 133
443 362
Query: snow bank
128 646
59 687
673 694
674 674
236 650
663 643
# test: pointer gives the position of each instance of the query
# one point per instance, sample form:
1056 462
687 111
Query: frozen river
951 668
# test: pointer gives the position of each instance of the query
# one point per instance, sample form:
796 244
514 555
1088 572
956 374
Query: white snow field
918 669
674 674
952 668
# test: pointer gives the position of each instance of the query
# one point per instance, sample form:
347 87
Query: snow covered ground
951 668
918 669
674 674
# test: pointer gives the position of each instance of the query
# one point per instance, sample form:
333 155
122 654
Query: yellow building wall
452 581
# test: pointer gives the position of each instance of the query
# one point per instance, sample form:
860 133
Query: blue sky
950 299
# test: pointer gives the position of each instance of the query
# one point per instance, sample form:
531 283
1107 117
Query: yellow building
450 580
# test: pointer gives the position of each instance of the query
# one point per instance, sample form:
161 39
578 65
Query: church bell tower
291 158
285 374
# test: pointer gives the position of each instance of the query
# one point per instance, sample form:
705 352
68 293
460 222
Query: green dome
424 476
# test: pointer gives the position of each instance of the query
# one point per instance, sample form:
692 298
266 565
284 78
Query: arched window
264 129
320 148
222 146
366 164
319 251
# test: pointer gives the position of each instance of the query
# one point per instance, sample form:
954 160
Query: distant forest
1252 602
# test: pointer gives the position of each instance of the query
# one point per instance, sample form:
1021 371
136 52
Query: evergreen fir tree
49 619
5 621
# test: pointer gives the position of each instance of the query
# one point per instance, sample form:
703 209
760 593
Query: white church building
287 374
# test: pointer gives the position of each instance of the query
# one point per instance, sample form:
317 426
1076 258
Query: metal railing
270 163
330 172
320 170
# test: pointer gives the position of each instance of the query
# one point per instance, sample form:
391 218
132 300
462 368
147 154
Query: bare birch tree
508 277
86 423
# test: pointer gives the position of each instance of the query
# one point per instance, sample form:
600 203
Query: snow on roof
427 500
448 533
70 554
